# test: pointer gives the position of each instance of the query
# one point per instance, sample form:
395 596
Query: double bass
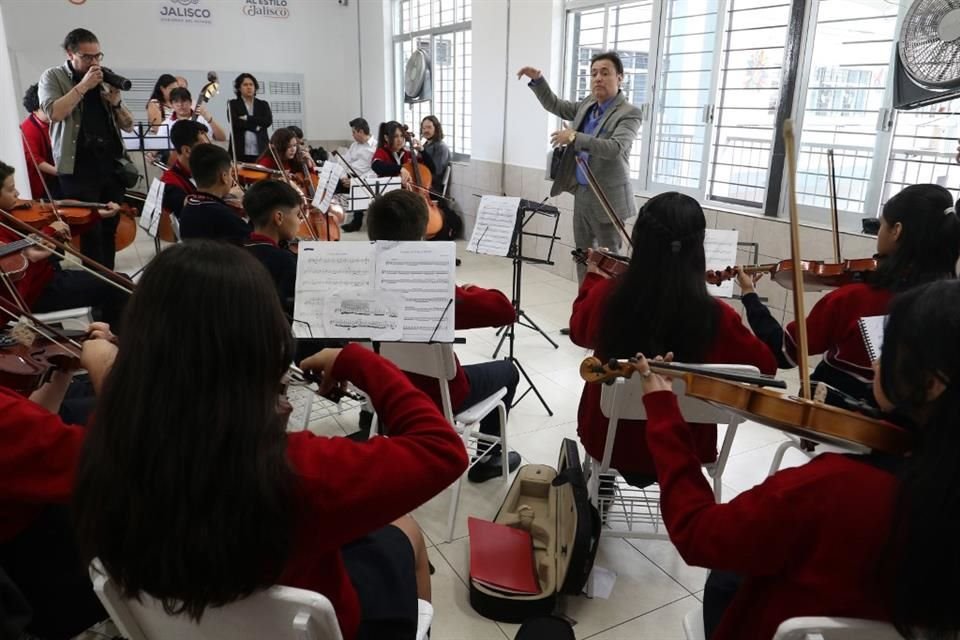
421 180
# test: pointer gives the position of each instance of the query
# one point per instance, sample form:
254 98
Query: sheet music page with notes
720 248
329 176
494 229
389 291
423 274
152 209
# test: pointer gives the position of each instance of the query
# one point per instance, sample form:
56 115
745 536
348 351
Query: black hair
31 98
929 244
921 344
184 490
179 94
165 80
438 130
397 215
263 198
612 56
5 171
239 81
387 131
185 133
360 124
77 37
207 162
661 303
297 131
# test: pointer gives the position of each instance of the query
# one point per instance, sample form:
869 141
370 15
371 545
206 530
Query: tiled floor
654 588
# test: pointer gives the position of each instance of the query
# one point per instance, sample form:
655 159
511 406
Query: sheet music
423 273
330 174
495 225
720 248
393 291
142 139
152 208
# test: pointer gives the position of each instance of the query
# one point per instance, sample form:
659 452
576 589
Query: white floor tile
665 623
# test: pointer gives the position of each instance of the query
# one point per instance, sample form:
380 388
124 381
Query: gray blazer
609 149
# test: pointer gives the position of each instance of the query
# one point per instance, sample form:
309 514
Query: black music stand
525 213
143 142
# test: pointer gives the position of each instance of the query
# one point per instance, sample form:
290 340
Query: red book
501 557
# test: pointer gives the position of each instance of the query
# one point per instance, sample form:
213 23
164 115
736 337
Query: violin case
554 506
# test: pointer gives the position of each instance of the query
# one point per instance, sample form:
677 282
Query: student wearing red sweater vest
177 178
190 488
661 303
864 536
45 286
918 241
38 461
402 215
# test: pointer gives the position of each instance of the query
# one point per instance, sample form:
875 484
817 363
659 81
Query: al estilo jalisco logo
266 8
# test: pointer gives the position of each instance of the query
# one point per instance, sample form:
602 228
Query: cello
420 180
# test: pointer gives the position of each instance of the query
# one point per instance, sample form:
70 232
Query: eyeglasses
90 57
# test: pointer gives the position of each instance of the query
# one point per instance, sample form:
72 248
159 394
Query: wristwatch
573 137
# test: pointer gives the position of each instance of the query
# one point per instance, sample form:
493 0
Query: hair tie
949 210
675 246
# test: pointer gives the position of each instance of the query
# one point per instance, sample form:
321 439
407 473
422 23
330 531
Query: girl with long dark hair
390 155
660 304
918 241
159 105
191 490
851 535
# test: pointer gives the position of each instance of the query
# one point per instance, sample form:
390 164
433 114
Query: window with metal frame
924 148
443 29
622 27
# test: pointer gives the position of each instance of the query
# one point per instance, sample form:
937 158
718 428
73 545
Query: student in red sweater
402 215
38 461
190 489
661 303
864 536
178 181
35 130
390 156
45 286
918 241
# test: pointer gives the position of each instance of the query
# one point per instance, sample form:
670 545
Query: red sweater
36 147
384 163
832 328
38 274
733 344
476 307
348 489
38 459
807 540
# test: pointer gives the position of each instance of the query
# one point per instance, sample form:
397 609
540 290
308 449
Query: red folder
501 557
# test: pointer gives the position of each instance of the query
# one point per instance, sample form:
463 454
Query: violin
422 180
744 395
13 263
26 365
38 213
614 265
249 172
817 275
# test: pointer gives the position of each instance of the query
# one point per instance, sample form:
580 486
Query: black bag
566 532
555 161
546 628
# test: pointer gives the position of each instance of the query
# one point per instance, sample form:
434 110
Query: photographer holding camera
82 100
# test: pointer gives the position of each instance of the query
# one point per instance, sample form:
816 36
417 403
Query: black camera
116 80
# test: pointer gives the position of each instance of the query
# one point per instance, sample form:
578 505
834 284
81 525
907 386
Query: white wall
11 149
319 39
376 60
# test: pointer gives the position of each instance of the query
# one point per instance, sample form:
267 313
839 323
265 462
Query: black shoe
351 227
492 467
366 419
565 331
458 262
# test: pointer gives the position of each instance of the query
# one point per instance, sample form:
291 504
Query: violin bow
286 178
88 264
799 312
834 214
604 202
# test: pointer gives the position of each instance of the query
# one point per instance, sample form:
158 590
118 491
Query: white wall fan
927 65
417 75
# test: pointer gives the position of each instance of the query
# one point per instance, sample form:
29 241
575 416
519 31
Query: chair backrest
446 179
278 613
624 398
432 360
823 628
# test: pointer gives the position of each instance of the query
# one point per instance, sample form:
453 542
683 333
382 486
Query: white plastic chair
437 361
623 400
446 180
823 628
279 613
808 628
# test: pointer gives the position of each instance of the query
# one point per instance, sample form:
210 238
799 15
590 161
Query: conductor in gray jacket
602 130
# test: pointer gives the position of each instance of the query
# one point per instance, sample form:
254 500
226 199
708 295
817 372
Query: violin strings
41 328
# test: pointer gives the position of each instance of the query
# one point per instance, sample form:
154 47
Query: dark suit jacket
259 122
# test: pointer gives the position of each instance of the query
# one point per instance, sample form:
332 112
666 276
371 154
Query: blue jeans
485 378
